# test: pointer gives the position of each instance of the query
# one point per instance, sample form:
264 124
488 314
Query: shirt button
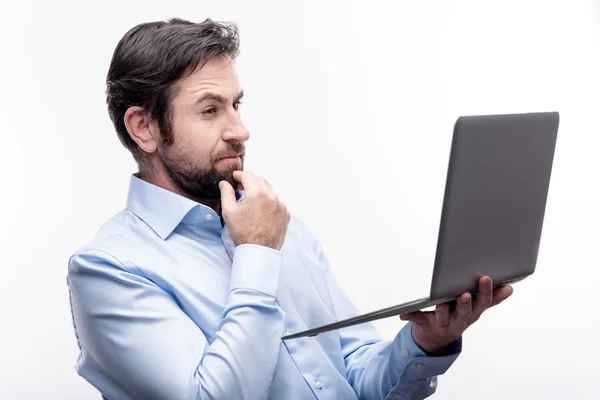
208 217
419 365
433 382
404 352
319 384
288 333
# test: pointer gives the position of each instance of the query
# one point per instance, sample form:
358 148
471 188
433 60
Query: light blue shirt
166 307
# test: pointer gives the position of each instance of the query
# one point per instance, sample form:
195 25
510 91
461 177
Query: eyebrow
218 98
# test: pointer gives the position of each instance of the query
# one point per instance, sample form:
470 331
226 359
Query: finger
484 295
500 294
247 179
227 195
417 317
442 315
460 317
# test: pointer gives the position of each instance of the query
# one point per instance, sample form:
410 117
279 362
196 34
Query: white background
350 106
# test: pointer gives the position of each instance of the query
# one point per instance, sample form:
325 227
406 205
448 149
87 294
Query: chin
230 169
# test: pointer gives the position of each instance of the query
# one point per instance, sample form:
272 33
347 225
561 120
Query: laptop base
399 309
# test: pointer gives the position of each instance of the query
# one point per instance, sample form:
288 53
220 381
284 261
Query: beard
197 182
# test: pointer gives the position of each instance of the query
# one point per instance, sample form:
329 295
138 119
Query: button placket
229 245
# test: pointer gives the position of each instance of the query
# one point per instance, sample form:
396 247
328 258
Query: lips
231 156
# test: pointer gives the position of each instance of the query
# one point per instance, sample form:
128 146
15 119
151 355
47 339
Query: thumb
227 195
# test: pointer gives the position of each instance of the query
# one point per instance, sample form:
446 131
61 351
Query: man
187 292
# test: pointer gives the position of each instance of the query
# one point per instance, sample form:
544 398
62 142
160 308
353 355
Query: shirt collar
161 209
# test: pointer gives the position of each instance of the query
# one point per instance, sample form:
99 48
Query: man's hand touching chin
435 330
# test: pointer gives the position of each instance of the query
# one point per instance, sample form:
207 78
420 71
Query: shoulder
113 242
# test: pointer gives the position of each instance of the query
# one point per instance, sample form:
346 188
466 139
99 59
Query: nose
236 131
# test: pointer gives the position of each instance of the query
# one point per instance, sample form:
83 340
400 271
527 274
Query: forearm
398 368
240 363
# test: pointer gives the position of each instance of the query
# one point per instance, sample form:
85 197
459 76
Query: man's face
208 134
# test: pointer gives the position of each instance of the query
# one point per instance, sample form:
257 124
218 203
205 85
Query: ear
141 128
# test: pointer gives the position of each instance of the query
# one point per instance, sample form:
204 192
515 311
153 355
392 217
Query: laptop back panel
494 202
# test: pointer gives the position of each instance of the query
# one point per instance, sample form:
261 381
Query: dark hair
150 59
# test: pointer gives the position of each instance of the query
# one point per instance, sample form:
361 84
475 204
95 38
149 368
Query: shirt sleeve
136 342
379 369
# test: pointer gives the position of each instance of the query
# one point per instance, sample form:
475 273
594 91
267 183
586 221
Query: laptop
493 209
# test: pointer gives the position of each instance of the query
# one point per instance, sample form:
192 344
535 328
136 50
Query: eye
236 105
210 111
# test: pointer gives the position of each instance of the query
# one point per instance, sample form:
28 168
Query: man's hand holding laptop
435 330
